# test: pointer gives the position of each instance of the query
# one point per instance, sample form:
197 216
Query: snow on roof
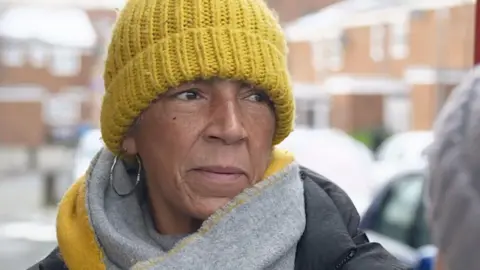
329 22
69 27
323 22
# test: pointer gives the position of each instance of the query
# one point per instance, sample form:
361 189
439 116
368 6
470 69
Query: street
27 230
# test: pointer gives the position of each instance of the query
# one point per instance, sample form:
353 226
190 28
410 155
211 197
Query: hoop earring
137 181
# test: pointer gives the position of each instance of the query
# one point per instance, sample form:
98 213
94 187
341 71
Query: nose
226 124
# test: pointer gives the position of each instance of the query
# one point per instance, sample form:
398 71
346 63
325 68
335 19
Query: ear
129 146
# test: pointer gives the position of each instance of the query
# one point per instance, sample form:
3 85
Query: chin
207 207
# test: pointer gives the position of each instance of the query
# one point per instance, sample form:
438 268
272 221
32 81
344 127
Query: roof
61 26
319 24
330 21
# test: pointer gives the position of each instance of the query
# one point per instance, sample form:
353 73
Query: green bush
372 138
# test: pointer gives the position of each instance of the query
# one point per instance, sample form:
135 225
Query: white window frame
62 109
377 42
319 109
397 112
327 54
322 113
39 55
318 51
13 55
399 39
65 62
335 53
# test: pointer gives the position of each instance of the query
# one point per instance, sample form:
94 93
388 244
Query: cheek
164 143
261 127
261 130
170 136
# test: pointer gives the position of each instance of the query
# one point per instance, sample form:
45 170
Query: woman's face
202 143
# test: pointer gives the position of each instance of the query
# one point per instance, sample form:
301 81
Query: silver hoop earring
137 180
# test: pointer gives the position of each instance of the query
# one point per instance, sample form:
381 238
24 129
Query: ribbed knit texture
160 44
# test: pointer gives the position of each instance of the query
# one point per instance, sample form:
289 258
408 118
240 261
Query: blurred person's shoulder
461 109
456 131
452 192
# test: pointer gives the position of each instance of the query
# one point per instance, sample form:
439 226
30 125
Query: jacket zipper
349 256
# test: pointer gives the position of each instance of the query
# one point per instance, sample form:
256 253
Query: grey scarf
258 229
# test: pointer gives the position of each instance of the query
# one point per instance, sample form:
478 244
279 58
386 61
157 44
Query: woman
197 95
453 196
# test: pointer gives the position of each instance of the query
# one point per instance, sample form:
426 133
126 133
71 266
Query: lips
218 181
220 170
215 173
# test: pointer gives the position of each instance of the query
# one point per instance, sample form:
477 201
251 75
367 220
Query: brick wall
435 39
22 122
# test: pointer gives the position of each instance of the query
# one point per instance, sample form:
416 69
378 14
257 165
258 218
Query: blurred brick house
47 60
383 63
314 111
51 79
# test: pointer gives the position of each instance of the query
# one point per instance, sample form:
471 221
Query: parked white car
401 151
89 145
337 156
405 147
396 218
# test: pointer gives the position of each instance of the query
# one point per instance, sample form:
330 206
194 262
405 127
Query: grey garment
453 190
258 229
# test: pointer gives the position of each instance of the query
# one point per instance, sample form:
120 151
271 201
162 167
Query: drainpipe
476 48
441 18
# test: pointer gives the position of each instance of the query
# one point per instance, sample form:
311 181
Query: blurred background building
356 64
50 69
387 63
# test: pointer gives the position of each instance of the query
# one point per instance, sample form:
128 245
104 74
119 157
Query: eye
191 94
258 97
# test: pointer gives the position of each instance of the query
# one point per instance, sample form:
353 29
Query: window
397 113
65 62
334 53
312 113
377 42
318 50
304 113
38 55
328 53
399 40
13 56
401 217
62 109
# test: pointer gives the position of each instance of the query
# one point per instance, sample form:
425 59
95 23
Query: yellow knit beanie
160 44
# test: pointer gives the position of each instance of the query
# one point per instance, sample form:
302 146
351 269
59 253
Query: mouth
218 181
221 170
220 173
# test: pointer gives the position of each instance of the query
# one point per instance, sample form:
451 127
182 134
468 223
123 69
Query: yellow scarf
76 237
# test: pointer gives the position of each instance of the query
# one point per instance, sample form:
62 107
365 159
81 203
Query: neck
169 221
